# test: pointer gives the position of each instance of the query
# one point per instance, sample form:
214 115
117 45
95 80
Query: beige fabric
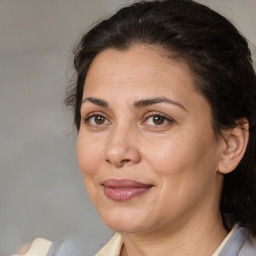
39 247
114 246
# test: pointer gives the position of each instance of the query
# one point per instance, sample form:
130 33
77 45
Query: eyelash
166 120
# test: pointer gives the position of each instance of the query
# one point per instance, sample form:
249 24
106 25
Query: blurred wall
41 189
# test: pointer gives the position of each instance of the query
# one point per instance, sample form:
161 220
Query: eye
158 120
96 120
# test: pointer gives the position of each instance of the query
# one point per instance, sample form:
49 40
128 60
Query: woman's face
146 147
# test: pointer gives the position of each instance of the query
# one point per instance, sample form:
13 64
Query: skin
178 155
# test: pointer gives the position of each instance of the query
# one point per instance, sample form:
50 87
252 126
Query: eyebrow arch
98 102
149 102
137 104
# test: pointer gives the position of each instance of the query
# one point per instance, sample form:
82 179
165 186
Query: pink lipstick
124 189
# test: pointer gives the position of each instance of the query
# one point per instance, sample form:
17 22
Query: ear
234 143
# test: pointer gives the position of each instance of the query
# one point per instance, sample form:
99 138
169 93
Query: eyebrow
149 102
137 104
98 102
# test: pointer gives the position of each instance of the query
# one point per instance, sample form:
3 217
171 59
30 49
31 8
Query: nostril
125 161
119 163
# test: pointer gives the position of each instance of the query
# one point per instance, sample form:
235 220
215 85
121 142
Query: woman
164 103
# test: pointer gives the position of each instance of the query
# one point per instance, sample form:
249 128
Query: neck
200 238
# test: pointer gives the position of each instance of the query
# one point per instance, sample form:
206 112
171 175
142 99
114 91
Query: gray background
41 189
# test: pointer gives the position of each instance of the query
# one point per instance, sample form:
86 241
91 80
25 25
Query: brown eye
99 120
158 120
96 120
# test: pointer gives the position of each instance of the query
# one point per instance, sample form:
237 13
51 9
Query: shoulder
75 246
39 247
78 245
60 248
44 247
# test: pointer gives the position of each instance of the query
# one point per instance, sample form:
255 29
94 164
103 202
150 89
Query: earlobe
235 142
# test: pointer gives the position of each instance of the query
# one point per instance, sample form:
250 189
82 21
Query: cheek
89 160
89 154
184 161
185 173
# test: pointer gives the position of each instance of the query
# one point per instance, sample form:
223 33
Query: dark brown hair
220 59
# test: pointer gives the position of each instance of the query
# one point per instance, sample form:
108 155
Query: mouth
124 189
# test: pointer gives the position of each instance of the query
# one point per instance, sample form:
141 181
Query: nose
122 148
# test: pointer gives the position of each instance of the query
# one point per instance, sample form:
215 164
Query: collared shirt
237 243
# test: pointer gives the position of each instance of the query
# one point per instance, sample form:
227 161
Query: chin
124 221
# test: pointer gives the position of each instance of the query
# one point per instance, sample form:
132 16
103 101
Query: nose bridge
121 146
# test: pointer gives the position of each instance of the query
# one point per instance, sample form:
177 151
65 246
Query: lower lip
124 194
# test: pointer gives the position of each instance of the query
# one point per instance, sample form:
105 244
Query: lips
124 189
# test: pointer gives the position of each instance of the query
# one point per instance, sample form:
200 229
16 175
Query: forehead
140 65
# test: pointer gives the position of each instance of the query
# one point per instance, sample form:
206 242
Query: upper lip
125 183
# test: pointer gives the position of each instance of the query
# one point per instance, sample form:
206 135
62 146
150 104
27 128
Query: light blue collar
240 244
